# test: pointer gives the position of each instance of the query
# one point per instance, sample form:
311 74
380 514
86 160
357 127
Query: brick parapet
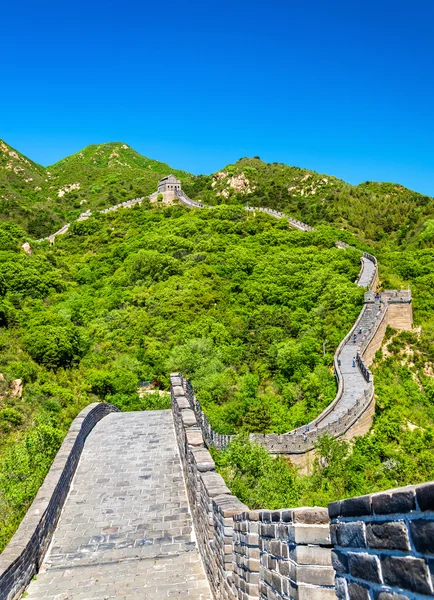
384 544
22 557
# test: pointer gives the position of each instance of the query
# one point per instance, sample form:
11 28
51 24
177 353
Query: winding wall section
352 410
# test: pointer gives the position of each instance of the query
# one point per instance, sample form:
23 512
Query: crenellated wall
21 558
278 555
375 547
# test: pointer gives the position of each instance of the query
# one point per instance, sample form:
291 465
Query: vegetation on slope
240 304
372 210
41 200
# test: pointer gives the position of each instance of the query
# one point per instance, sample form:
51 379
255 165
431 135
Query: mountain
102 175
21 190
42 199
370 209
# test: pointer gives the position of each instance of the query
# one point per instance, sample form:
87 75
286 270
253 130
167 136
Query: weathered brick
311 516
341 588
425 496
364 566
390 596
358 592
339 562
406 572
356 507
309 534
351 535
387 535
422 534
311 555
393 502
334 509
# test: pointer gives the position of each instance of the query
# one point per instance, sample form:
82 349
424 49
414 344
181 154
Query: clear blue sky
342 87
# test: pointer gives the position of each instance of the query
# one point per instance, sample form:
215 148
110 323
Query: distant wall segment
22 557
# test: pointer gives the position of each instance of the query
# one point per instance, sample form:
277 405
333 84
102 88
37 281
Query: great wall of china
134 508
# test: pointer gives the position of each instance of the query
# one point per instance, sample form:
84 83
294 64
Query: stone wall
279 555
384 545
23 556
375 547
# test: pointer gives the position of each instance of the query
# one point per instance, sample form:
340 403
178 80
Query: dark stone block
277 583
406 572
387 536
284 568
393 502
356 507
425 496
351 535
275 516
364 566
339 562
334 509
287 516
333 537
358 592
422 534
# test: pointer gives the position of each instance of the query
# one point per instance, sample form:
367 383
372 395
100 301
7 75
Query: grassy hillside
106 174
22 185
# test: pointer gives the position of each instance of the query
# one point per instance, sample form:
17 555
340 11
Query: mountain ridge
101 175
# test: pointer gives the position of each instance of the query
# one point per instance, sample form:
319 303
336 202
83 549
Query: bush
55 346
10 419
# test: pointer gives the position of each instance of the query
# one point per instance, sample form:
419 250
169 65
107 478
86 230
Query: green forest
246 307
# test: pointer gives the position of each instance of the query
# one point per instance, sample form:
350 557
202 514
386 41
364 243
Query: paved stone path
125 531
367 272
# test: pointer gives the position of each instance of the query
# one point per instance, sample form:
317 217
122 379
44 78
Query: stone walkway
125 531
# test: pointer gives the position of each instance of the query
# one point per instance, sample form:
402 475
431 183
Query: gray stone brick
358 592
406 572
387 535
364 566
390 596
425 496
356 507
393 502
339 562
422 534
351 535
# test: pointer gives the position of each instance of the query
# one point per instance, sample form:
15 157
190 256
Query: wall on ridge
278 555
22 557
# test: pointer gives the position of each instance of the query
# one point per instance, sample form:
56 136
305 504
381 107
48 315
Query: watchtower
169 184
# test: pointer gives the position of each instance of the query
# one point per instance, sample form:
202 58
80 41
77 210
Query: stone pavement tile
125 531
